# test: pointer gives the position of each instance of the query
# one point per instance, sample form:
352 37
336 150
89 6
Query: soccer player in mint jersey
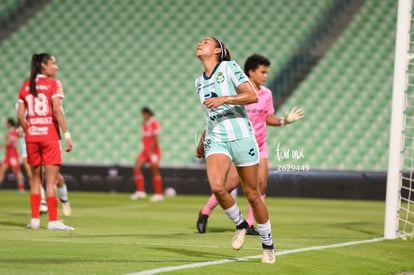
260 114
223 90
40 113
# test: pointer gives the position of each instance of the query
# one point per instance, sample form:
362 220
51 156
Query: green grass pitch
115 235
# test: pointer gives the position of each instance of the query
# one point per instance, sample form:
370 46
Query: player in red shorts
151 154
11 159
40 113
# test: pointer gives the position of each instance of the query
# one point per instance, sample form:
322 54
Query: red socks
52 205
157 181
35 205
139 181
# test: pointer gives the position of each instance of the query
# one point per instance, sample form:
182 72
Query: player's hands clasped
294 115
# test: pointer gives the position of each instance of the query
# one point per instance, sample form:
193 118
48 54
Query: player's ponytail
224 53
35 69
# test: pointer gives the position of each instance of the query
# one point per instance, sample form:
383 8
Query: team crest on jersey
220 77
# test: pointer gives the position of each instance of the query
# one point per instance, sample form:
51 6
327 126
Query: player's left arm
246 95
290 116
154 143
60 116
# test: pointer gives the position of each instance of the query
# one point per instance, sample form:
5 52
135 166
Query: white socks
265 231
234 214
63 193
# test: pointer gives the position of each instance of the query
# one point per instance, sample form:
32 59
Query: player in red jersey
11 158
151 154
40 113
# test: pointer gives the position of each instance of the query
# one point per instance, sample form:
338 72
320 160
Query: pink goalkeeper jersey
257 113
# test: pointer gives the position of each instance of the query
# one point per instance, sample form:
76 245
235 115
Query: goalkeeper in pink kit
260 114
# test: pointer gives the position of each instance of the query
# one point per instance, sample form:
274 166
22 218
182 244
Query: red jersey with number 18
41 123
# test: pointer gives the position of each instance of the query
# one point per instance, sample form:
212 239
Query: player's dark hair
254 61
225 53
11 122
35 69
147 110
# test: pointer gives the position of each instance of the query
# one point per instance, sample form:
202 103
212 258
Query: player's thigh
217 165
3 168
34 156
154 158
233 179
263 174
51 152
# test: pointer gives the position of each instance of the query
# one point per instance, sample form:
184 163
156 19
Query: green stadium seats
116 57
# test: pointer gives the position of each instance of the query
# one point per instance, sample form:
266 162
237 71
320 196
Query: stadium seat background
346 98
115 57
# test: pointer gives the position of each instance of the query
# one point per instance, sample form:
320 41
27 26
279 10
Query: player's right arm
21 117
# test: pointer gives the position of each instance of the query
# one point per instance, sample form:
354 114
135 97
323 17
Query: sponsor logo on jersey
38 131
210 95
221 115
240 75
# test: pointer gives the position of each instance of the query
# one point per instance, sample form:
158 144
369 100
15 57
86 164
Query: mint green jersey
226 122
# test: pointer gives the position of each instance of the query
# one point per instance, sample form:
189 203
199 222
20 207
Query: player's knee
254 198
218 191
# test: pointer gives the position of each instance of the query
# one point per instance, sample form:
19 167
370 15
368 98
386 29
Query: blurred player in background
11 158
260 114
40 113
224 89
151 153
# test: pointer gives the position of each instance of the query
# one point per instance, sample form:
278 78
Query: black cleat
252 231
202 222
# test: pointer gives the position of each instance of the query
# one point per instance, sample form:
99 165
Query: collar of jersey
215 68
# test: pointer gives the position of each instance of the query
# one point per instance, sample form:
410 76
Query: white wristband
67 135
282 121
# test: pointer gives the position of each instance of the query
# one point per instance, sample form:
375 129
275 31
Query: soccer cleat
157 197
252 231
239 235
138 195
58 225
34 224
202 222
43 209
66 209
269 256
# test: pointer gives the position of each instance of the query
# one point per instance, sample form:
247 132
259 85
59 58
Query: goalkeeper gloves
294 115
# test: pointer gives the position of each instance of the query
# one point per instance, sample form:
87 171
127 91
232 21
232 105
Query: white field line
224 261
